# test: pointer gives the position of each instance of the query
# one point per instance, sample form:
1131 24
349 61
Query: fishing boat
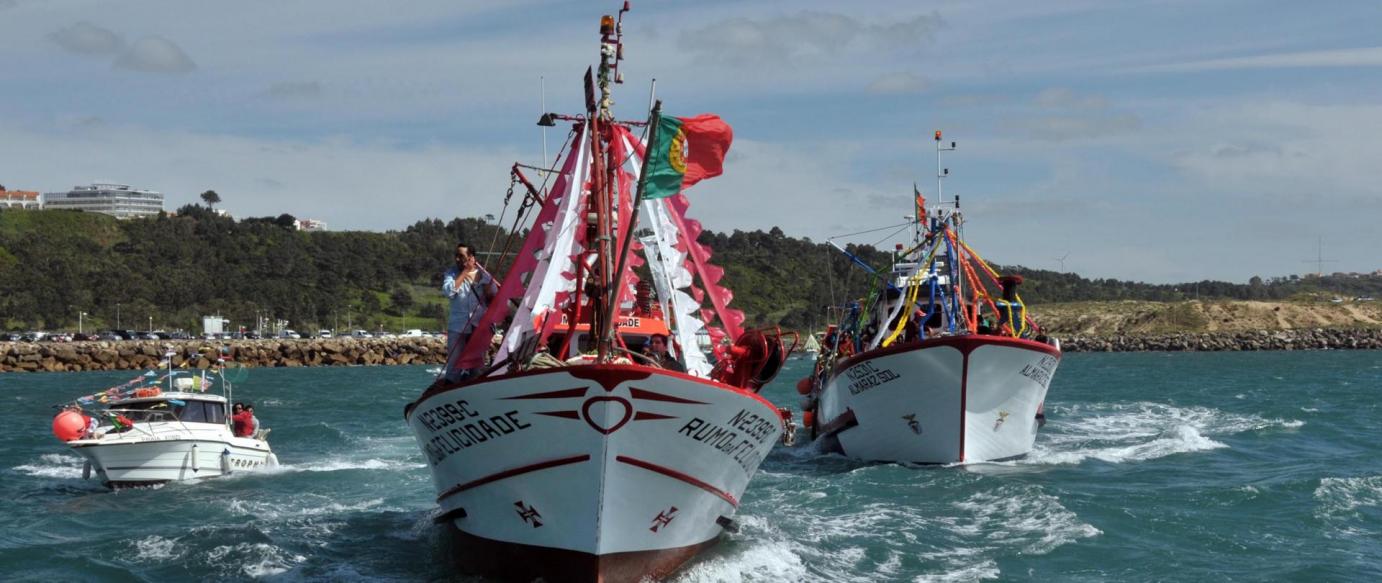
561 451
940 364
157 429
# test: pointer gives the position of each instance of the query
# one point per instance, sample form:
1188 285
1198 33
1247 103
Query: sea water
1152 467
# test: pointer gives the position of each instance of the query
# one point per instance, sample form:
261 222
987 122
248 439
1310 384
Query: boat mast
605 185
956 281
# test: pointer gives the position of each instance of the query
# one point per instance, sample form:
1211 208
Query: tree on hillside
211 198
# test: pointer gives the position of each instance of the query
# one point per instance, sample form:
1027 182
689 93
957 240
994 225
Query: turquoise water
1153 467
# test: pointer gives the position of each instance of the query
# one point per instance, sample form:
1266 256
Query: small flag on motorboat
685 151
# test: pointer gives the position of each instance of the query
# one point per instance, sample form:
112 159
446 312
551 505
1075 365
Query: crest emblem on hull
664 518
1002 416
912 423
528 514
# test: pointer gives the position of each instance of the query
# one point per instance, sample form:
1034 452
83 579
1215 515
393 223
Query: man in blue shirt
470 288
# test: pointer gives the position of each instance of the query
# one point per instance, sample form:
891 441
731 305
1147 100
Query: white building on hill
117 200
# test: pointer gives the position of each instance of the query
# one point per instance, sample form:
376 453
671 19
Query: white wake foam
254 559
1021 516
156 549
53 465
1131 432
760 560
1343 497
338 464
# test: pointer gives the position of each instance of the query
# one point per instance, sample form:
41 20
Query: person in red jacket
241 421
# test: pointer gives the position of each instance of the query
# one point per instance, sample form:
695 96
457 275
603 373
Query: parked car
324 334
286 333
360 334
84 337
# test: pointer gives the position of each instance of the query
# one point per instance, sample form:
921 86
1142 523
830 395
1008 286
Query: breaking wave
1132 432
53 465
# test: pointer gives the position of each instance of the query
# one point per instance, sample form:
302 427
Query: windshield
187 412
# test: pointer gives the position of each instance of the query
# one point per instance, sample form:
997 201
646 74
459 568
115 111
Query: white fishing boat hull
943 400
155 453
590 473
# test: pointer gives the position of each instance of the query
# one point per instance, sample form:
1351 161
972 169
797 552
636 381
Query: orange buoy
69 425
808 418
145 392
804 386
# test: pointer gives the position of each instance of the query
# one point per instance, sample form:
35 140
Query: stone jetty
145 354
1294 339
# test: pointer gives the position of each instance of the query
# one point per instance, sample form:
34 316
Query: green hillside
55 264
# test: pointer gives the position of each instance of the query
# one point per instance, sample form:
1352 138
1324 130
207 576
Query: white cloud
87 39
1074 127
1063 98
1356 57
900 82
295 90
155 54
804 36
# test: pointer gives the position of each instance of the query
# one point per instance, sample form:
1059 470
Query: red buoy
808 418
804 386
69 425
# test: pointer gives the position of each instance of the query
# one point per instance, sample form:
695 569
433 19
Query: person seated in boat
657 351
241 421
985 325
254 421
469 288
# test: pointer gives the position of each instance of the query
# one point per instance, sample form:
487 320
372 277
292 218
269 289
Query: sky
1165 141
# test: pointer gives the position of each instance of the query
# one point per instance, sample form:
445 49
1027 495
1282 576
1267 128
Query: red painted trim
651 396
965 344
588 371
562 394
610 376
562 414
458 488
671 473
472 554
964 403
645 416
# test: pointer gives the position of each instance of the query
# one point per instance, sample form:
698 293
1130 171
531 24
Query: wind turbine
1061 259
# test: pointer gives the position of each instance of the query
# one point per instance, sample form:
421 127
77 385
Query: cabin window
215 412
139 412
192 412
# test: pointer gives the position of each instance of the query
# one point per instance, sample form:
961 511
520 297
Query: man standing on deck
657 349
469 287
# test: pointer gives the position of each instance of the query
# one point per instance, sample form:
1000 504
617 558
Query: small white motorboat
151 430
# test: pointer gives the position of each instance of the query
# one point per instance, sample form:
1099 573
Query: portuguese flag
685 151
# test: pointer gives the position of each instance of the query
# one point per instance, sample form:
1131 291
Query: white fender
225 462
194 458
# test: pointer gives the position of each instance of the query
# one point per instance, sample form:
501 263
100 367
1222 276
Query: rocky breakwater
145 354
1295 339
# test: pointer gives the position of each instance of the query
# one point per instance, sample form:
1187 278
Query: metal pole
542 88
608 333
